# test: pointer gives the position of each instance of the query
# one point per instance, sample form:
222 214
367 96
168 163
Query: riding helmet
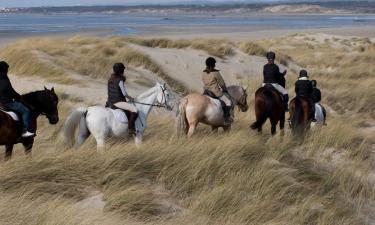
271 55
4 67
210 62
118 68
314 83
303 73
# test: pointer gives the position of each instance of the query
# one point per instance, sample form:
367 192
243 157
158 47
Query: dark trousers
20 108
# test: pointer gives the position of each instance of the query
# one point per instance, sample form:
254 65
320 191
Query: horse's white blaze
101 122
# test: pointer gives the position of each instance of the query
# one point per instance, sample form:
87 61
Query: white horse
319 116
102 122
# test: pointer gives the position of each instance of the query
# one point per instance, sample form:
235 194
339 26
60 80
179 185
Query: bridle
164 89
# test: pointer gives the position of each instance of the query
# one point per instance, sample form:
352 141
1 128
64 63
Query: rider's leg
132 117
313 119
227 109
25 113
282 90
324 113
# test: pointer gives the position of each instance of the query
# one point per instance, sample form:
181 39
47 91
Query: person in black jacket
317 97
117 96
272 75
304 88
10 99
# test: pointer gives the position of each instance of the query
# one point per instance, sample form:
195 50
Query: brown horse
40 103
300 112
268 105
196 108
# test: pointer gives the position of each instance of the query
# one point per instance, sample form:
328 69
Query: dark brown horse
268 105
40 103
300 112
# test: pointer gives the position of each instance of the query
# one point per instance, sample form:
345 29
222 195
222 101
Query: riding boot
227 115
286 101
313 119
131 123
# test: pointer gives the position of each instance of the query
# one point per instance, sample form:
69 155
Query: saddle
113 107
211 95
274 89
12 114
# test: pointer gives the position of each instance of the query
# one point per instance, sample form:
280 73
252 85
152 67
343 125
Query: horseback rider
214 85
11 100
304 88
317 97
117 96
272 75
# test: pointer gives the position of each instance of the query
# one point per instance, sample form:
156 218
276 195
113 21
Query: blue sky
30 3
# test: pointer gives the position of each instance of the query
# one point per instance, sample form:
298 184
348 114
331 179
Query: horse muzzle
53 119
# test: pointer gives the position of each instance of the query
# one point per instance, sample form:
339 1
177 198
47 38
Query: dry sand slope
240 178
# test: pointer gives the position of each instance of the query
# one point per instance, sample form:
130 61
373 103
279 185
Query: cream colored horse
196 108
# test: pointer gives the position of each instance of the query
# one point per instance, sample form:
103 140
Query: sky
31 3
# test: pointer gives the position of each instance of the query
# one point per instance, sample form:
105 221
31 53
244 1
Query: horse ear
165 85
53 89
45 88
247 86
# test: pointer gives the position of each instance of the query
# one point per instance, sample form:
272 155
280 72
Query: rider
317 97
11 100
117 95
214 84
272 75
304 88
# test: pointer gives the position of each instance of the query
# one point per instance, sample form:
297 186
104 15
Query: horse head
239 94
45 102
163 97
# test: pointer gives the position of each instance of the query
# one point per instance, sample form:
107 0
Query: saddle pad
120 115
11 114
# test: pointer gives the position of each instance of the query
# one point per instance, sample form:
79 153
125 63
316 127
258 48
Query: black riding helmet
314 83
4 67
118 68
271 55
210 62
303 73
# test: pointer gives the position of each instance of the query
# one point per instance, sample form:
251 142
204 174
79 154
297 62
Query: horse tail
72 122
181 121
262 117
296 116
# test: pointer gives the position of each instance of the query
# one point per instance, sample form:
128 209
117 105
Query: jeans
18 107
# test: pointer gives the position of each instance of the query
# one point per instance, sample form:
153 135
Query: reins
157 105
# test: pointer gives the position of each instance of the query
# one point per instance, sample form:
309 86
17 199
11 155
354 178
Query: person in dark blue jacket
11 100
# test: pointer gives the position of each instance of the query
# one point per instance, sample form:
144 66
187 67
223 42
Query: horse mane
147 93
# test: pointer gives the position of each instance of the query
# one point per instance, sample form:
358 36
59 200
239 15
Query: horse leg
214 129
8 152
227 129
273 127
28 145
138 140
282 124
192 127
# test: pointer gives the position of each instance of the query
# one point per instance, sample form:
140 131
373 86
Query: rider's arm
14 93
123 91
221 82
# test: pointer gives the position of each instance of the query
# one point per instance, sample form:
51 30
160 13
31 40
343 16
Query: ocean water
123 24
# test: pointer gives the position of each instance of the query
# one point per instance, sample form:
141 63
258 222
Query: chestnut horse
300 112
195 108
40 103
268 105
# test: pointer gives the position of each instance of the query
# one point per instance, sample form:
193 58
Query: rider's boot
131 123
228 120
27 134
286 101
313 119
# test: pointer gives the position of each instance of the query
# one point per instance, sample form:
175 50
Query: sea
126 24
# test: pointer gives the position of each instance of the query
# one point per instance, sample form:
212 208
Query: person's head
303 73
271 56
210 62
314 83
118 68
4 67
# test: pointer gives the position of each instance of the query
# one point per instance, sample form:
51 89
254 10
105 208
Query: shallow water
124 24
